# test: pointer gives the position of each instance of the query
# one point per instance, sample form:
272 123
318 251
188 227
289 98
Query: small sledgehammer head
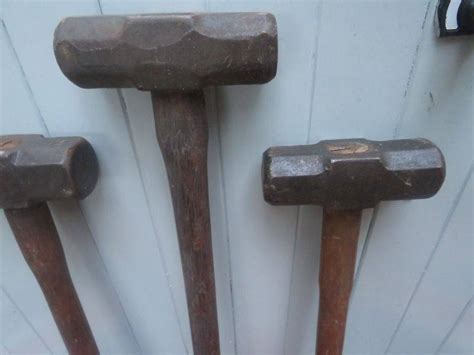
352 173
35 169
167 51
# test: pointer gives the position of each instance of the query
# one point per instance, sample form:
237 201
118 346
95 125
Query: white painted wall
352 68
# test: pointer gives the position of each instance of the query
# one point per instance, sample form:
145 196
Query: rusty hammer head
352 173
169 51
35 169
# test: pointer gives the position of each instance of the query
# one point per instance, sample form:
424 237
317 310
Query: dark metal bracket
465 18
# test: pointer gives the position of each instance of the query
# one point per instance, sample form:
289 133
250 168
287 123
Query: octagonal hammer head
352 173
167 51
35 169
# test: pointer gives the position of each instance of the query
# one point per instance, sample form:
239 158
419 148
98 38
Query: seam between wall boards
207 6
411 74
23 315
45 128
298 222
441 236
25 79
396 133
455 324
398 125
226 219
363 253
153 224
5 350
110 280
47 133
163 263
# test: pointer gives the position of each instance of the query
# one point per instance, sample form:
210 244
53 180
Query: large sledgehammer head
168 51
36 169
352 173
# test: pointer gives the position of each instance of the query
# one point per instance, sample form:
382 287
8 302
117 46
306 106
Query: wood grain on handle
39 242
338 257
181 128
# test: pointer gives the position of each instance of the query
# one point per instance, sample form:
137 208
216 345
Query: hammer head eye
352 173
35 169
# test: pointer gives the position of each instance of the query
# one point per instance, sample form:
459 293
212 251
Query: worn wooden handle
39 242
182 132
338 256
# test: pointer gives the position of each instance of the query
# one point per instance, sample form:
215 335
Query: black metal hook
465 18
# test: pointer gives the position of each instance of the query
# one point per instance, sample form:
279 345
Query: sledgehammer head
352 173
167 51
35 169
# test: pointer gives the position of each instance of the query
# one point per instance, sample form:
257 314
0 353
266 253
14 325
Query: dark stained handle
182 132
39 242
338 256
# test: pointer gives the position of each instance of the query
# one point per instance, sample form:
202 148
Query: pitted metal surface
167 51
35 169
352 173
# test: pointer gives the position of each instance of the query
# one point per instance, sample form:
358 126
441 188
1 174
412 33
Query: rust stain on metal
8 144
353 148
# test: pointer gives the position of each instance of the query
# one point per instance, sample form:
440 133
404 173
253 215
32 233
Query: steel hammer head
352 173
167 51
35 169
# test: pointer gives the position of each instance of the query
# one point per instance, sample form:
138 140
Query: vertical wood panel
18 111
447 285
116 211
365 51
438 107
21 115
98 297
253 118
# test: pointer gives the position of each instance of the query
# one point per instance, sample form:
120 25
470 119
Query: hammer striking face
352 173
35 169
167 51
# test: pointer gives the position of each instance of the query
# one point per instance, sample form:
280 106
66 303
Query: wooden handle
182 132
338 256
39 242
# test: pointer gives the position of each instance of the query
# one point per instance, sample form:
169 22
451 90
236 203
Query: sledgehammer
34 170
346 176
174 56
